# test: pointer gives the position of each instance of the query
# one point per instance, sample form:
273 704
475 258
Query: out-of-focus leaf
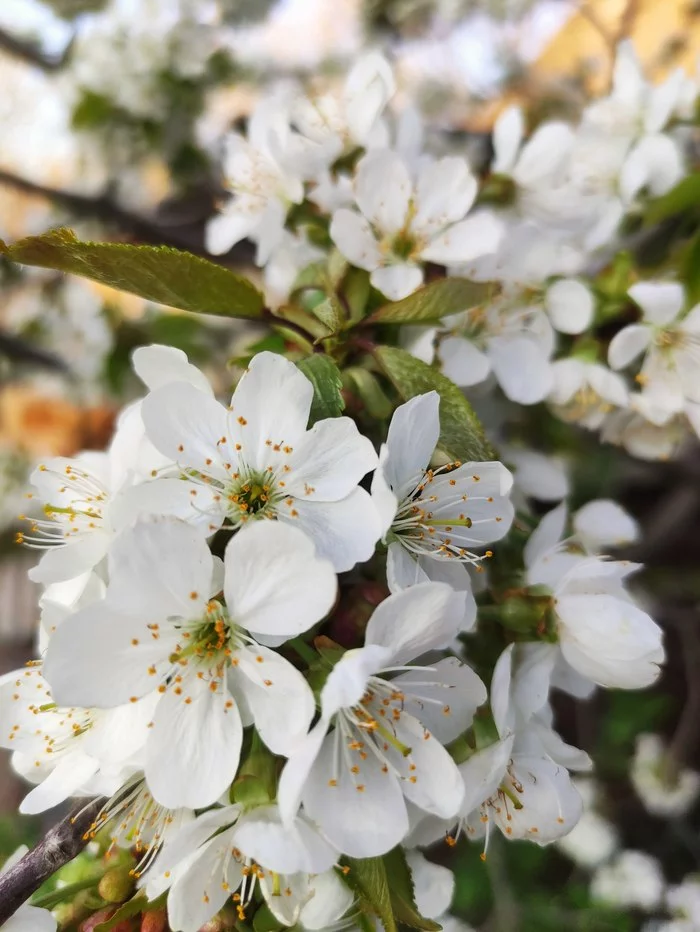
684 196
367 878
461 433
156 273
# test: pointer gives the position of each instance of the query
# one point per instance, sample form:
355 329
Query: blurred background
112 116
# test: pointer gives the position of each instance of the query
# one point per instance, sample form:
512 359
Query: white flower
663 792
602 633
510 336
633 879
433 885
379 742
432 518
586 392
330 900
27 918
684 901
67 751
339 122
400 225
644 439
520 783
256 460
603 523
226 854
292 254
159 628
535 163
670 342
570 305
264 174
538 475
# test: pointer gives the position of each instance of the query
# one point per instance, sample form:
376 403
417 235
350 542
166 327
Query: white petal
522 368
655 163
364 822
78 676
609 385
353 236
411 441
274 582
262 836
278 696
483 773
433 885
626 345
226 229
661 302
543 153
568 376
186 425
546 536
296 771
30 919
447 706
508 132
383 190
478 235
551 805
347 681
72 772
159 568
385 502
285 895
397 281
196 503
331 900
603 523
198 893
539 476
424 617
158 365
270 408
344 532
194 747
72 559
501 684
570 305
446 190
329 461
462 362
368 87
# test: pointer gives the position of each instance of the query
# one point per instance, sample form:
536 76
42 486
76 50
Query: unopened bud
157 921
90 924
116 886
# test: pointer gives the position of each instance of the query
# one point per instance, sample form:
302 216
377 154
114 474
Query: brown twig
59 846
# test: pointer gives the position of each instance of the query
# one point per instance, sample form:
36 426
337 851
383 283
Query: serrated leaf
434 301
156 273
330 312
356 290
684 196
402 892
368 880
461 433
327 381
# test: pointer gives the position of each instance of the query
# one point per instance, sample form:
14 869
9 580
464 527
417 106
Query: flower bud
116 886
157 921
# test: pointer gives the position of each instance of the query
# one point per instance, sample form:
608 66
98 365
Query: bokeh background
111 120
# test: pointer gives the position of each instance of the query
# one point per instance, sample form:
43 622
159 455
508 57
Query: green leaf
367 386
461 434
156 273
402 892
690 268
330 313
368 880
435 301
327 381
684 196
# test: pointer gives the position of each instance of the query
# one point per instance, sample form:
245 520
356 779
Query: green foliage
135 906
156 273
434 301
330 312
327 381
685 196
384 887
461 433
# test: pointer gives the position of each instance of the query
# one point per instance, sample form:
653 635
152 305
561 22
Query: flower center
254 495
79 510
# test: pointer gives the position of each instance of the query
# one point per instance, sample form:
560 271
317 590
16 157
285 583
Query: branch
60 845
683 745
31 53
187 234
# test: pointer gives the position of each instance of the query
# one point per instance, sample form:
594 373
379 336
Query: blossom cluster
207 658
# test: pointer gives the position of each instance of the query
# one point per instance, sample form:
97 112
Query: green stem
302 648
51 900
